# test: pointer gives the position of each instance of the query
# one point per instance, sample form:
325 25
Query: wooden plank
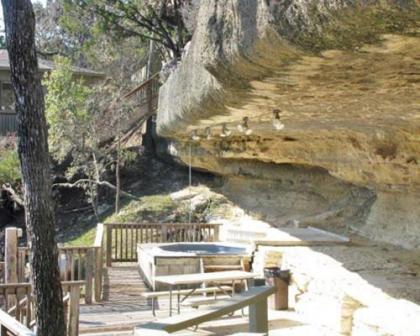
28 309
11 260
66 303
11 255
73 328
186 291
120 256
108 245
216 231
98 274
197 278
79 266
89 269
141 235
99 235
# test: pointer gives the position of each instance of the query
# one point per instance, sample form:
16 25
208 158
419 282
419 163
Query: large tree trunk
33 152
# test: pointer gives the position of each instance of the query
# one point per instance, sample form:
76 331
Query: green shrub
9 166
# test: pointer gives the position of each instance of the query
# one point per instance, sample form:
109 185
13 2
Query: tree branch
13 195
100 183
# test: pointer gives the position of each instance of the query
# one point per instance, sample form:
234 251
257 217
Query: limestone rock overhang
344 76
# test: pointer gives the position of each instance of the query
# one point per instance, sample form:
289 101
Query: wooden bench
255 298
200 301
214 290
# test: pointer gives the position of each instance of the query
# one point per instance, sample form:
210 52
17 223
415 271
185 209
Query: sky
1 12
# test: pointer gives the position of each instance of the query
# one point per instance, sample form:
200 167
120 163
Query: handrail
23 310
9 324
141 86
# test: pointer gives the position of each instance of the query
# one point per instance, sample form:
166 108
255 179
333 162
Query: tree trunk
33 153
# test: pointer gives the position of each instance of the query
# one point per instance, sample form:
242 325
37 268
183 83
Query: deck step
222 267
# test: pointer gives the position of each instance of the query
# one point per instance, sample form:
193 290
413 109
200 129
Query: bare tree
33 153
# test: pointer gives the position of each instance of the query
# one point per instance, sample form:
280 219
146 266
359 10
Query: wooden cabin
8 122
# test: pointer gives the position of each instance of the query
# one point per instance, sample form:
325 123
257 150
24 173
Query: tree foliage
51 37
66 110
161 21
9 161
80 118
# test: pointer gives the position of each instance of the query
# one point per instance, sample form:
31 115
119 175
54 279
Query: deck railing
116 242
122 238
81 263
17 318
9 326
78 264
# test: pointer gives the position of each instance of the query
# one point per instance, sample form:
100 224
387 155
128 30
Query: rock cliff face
340 81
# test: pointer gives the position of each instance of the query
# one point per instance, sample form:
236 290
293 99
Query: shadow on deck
123 308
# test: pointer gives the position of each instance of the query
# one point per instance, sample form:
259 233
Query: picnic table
214 278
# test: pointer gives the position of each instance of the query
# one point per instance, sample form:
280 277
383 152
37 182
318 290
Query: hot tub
186 258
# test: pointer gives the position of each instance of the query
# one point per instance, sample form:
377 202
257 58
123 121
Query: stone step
110 333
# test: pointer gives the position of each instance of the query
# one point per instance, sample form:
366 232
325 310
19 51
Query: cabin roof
45 65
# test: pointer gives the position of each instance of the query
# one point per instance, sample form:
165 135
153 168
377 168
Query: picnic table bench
255 298
207 290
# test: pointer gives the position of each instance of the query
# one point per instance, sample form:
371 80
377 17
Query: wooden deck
123 308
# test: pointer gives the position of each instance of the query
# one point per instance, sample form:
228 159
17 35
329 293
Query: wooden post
216 237
66 302
90 261
98 274
11 254
108 245
258 317
62 264
73 329
21 263
164 233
